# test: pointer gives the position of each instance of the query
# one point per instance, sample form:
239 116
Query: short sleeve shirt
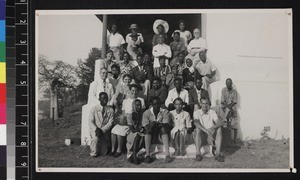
208 119
115 40
228 97
205 68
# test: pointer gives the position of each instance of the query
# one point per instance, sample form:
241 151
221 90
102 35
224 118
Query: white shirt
114 40
140 38
127 104
205 68
208 119
172 95
181 120
199 44
99 86
160 50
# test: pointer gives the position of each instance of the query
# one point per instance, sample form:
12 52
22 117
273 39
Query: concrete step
157 151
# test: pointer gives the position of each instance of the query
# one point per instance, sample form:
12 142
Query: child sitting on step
182 124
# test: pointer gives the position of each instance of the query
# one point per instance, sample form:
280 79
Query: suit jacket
96 119
188 76
142 76
193 96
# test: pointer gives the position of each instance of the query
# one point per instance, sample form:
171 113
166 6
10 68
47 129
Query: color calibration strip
2 92
10 88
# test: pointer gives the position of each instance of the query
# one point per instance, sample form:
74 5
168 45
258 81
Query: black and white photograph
174 90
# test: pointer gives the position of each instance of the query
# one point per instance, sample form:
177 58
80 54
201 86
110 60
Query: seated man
206 69
100 123
196 94
156 121
101 85
176 92
228 103
169 82
208 126
142 74
195 46
115 77
157 90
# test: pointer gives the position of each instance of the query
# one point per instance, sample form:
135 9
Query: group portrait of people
158 97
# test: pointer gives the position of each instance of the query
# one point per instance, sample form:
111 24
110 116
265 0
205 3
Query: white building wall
252 49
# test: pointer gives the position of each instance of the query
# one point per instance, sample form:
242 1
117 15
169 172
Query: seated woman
190 74
118 133
108 62
122 92
127 103
160 27
182 124
135 138
180 62
125 64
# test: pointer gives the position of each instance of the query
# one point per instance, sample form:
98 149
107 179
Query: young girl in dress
122 92
182 124
135 136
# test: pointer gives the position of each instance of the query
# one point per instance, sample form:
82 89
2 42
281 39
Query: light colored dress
180 121
118 129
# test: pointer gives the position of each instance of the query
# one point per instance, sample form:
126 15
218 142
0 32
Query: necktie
102 111
104 85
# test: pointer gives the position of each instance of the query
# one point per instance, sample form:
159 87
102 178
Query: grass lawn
54 153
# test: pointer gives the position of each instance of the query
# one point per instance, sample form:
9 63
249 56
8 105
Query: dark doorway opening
145 23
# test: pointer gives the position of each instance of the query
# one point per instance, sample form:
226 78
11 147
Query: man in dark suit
142 74
196 94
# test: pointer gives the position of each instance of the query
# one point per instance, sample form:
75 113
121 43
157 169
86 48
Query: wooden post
104 36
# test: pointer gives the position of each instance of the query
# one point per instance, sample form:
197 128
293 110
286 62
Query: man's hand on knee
98 132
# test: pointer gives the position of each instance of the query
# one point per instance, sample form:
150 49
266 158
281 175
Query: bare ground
54 153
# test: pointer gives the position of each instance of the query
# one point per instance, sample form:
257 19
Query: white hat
160 22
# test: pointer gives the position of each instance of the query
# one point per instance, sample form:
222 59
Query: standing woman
160 27
135 139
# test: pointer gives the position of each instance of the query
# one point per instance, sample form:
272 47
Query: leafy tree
85 72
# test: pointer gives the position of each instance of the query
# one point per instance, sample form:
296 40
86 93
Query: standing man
115 42
100 123
228 103
156 121
101 85
206 69
208 126
161 49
